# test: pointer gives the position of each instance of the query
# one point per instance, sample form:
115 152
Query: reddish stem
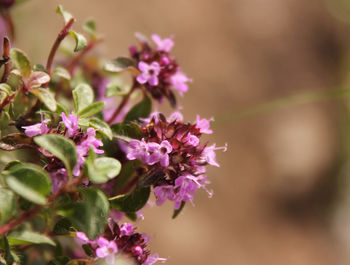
63 33
75 61
121 106
8 18
35 210
23 217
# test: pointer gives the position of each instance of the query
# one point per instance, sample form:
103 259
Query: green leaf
83 96
90 27
140 110
62 73
46 97
28 237
92 109
8 255
102 169
8 205
131 202
66 15
5 91
61 147
60 109
89 215
62 227
5 88
121 64
125 175
80 41
36 79
115 89
4 120
178 211
29 181
102 127
22 103
127 131
21 61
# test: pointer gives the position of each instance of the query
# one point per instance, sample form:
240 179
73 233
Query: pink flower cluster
84 142
123 240
172 150
159 71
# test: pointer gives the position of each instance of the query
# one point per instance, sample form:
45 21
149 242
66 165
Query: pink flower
192 140
149 73
179 80
163 44
204 125
83 149
209 155
126 229
36 129
71 124
164 192
165 149
186 189
82 237
58 178
176 116
151 259
106 249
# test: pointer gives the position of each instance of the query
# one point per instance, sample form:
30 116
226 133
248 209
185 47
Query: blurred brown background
281 191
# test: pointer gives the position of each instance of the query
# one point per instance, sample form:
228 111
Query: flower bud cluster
121 240
159 71
84 141
175 157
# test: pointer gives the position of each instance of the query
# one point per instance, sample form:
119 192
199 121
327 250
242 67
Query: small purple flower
164 192
83 149
81 236
192 140
37 129
209 155
179 82
58 178
137 250
126 229
149 73
71 124
165 149
186 189
151 259
204 125
106 249
163 44
176 116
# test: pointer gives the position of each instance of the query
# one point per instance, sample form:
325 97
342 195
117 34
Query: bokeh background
281 193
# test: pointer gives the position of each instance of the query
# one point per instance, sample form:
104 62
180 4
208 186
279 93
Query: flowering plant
81 149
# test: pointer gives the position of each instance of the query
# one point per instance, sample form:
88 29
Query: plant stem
36 209
121 105
63 33
75 61
23 217
8 18
6 56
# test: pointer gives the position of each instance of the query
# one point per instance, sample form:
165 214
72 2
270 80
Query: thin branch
63 33
75 60
121 106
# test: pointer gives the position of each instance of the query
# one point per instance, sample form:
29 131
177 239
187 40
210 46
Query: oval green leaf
59 146
29 181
